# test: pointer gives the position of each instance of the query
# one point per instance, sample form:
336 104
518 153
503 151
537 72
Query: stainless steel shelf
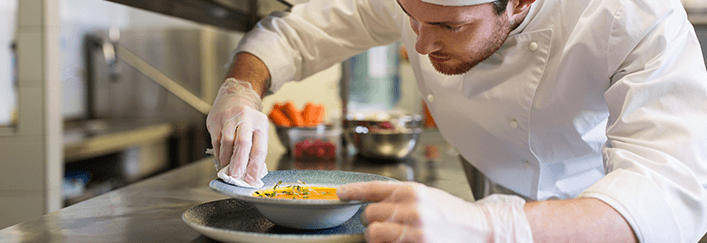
95 138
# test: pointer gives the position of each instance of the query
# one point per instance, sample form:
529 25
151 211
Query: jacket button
430 98
514 124
533 46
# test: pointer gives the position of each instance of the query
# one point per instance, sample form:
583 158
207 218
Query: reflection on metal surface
235 15
238 15
166 82
403 170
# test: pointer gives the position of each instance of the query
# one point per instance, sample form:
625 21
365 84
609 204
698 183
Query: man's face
456 38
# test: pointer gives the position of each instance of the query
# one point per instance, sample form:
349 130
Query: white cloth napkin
240 181
223 174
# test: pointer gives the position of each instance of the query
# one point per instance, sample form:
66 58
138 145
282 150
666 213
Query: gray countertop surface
151 210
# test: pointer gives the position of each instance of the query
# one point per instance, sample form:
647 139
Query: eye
451 28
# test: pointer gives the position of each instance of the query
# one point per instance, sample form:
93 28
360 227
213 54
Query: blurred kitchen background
96 95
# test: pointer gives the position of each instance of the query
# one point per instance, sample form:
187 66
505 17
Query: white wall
30 158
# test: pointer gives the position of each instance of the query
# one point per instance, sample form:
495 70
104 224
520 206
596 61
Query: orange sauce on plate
299 192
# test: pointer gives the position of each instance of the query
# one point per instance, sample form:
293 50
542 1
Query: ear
520 6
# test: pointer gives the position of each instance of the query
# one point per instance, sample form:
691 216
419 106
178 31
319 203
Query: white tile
52 56
51 13
18 138
16 209
54 166
23 167
30 59
30 110
53 200
53 83
30 13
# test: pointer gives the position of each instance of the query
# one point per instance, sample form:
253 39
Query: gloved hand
239 133
412 212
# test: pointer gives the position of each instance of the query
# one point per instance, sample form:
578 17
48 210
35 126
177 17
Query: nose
426 39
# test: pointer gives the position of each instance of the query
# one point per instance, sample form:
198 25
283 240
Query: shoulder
637 17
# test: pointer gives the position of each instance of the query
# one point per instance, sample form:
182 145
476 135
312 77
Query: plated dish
301 214
233 220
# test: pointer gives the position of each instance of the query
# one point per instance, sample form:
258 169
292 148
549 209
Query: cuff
641 202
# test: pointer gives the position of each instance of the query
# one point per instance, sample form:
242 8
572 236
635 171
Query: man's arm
249 68
577 220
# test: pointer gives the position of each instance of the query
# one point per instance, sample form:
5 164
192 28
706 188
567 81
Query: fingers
401 213
258 153
216 145
394 218
241 149
226 137
392 232
368 191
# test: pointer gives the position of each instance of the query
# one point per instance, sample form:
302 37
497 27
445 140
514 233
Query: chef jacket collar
534 8
457 2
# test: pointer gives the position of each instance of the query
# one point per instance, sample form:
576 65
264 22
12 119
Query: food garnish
298 190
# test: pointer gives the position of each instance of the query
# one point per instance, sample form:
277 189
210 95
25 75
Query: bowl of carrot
304 132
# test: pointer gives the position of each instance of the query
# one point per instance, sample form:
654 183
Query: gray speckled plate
232 220
311 177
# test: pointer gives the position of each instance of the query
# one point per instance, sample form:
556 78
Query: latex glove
239 133
412 212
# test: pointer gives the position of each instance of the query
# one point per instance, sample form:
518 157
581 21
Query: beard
490 46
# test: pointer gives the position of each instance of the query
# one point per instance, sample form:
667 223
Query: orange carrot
308 114
318 114
277 106
294 114
279 118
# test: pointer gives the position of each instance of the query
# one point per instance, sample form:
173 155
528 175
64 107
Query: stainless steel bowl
392 144
400 120
387 144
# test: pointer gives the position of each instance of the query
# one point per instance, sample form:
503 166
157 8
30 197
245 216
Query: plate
233 220
301 214
330 178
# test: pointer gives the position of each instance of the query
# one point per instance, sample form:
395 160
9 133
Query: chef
592 112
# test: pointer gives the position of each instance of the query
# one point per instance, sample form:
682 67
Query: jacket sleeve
656 153
320 33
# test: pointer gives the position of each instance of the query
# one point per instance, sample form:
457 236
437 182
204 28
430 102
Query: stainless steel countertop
151 210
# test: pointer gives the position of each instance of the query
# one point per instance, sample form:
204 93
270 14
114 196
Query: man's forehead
457 2
437 14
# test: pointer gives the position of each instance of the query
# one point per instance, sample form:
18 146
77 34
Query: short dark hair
500 6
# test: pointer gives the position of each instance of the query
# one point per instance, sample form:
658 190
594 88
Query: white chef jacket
594 98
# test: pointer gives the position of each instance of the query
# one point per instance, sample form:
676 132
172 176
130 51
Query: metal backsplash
237 15
127 93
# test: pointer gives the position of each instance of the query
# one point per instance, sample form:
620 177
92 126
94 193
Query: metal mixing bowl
393 144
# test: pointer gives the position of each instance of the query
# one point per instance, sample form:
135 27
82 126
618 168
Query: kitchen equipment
284 137
386 137
321 143
301 214
234 15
